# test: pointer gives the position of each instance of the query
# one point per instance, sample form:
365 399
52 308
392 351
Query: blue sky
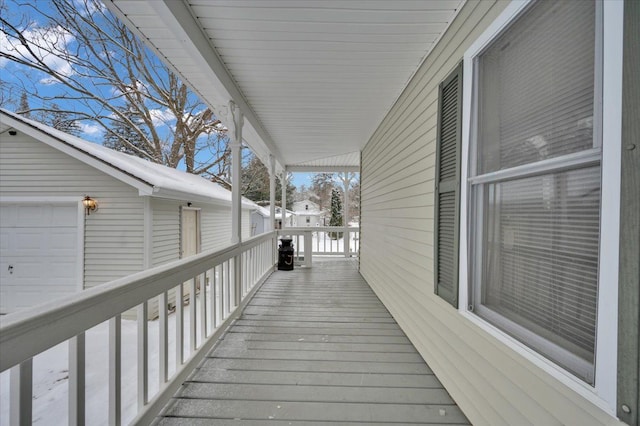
15 77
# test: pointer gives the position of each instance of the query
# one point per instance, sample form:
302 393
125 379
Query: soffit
315 78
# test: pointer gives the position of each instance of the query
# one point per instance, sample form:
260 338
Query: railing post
20 410
77 380
308 248
346 236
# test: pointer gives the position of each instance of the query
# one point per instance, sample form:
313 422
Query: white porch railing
324 240
223 281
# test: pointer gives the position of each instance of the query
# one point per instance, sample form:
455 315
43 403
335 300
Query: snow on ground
321 242
50 374
50 368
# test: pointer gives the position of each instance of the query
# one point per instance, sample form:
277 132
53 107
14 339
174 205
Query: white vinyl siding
166 231
215 228
246 224
113 235
492 383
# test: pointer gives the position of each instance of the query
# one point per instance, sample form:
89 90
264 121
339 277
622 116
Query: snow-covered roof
262 211
154 179
266 212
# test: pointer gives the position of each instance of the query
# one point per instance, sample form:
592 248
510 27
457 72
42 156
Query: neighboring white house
307 213
147 214
260 219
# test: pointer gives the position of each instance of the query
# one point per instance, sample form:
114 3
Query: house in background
307 213
147 215
260 218
260 221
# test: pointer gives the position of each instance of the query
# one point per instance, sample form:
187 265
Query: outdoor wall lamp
89 204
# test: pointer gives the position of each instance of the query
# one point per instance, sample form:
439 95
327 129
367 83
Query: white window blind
537 230
537 86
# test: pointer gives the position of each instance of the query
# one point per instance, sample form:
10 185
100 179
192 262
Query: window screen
537 228
537 86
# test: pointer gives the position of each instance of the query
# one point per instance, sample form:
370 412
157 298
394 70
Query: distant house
147 214
260 219
307 213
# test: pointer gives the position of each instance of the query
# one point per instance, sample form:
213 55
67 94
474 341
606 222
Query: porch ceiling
314 78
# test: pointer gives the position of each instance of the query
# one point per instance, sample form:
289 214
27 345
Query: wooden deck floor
314 346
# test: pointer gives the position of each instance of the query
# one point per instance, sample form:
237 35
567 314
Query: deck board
314 346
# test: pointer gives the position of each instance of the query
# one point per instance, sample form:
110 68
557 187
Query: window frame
607 110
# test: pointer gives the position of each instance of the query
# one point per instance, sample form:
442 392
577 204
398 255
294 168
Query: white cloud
54 39
161 117
89 8
90 129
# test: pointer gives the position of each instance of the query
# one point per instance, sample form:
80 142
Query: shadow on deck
314 346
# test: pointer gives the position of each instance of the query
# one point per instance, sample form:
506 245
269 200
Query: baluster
143 355
115 366
192 316
227 291
222 292
179 326
212 294
247 275
163 340
20 410
77 380
203 306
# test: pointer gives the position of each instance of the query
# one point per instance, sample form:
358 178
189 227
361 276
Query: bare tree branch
107 77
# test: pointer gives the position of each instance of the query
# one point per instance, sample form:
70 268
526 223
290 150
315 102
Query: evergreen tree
24 109
128 138
61 120
255 184
336 213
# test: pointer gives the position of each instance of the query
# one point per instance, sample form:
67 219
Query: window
308 219
535 182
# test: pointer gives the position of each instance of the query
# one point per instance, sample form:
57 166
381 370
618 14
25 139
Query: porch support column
272 192
236 197
272 207
236 172
283 183
346 181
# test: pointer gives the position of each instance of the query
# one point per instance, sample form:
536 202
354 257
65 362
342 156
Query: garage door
38 254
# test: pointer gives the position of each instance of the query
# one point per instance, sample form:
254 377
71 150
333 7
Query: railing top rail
294 229
27 333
